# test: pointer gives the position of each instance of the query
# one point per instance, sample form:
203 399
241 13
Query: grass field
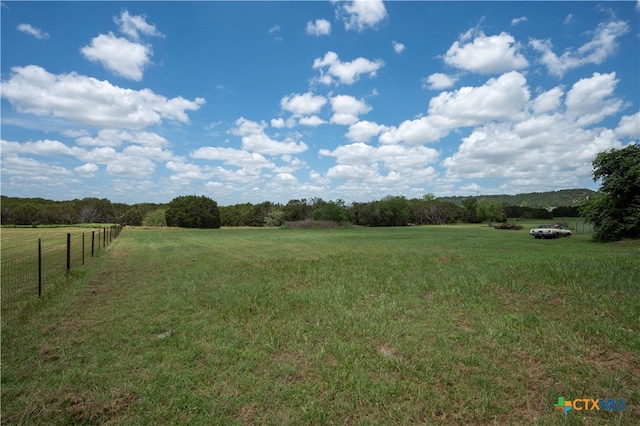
21 241
456 324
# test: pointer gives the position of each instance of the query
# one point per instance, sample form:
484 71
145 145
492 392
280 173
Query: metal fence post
93 239
83 249
68 252
39 267
104 237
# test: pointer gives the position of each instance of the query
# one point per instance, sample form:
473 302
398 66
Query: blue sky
272 101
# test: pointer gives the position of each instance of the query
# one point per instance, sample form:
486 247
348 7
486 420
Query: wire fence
26 278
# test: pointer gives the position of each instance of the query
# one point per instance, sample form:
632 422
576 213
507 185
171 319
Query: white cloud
346 109
629 126
345 72
125 57
114 137
275 31
398 47
602 45
486 54
119 55
87 169
304 104
589 100
524 157
439 81
398 158
277 123
516 21
363 131
547 101
31 30
88 101
152 153
255 139
361 14
233 157
502 99
311 121
318 28
134 25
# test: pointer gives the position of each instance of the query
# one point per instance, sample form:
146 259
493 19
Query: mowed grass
418 325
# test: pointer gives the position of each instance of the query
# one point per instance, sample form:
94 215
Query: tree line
388 211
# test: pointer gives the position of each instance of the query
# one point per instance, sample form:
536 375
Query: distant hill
564 197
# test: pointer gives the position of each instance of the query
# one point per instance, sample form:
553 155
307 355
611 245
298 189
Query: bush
312 224
193 211
507 225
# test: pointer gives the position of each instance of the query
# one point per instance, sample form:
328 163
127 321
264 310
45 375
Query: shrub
193 211
507 225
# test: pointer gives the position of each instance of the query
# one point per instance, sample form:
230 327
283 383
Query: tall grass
436 325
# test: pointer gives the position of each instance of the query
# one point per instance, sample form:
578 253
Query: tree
489 211
155 218
192 211
131 217
616 214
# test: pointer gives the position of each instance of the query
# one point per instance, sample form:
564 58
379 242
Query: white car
550 231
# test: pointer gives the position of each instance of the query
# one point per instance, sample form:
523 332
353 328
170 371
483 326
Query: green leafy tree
192 211
131 217
489 211
616 214
275 217
155 218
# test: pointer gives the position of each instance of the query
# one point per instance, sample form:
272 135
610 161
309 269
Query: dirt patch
47 328
444 259
248 413
47 355
82 410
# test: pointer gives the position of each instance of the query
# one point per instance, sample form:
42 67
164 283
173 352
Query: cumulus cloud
318 28
394 157
31 30
345 72
119 55
125 57
602 45
629 126
398 47
485 54
438 81
504 99
134 25
87 169
590 99
547 101
114 138
311 121
233 157
303 104
514 153
255 139
346 109
363 131
520 151
359 15
88 101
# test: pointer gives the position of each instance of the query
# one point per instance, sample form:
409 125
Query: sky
273 101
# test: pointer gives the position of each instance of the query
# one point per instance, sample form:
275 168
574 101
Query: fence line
28 277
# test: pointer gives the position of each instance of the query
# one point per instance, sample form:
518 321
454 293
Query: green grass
21 241
420 325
